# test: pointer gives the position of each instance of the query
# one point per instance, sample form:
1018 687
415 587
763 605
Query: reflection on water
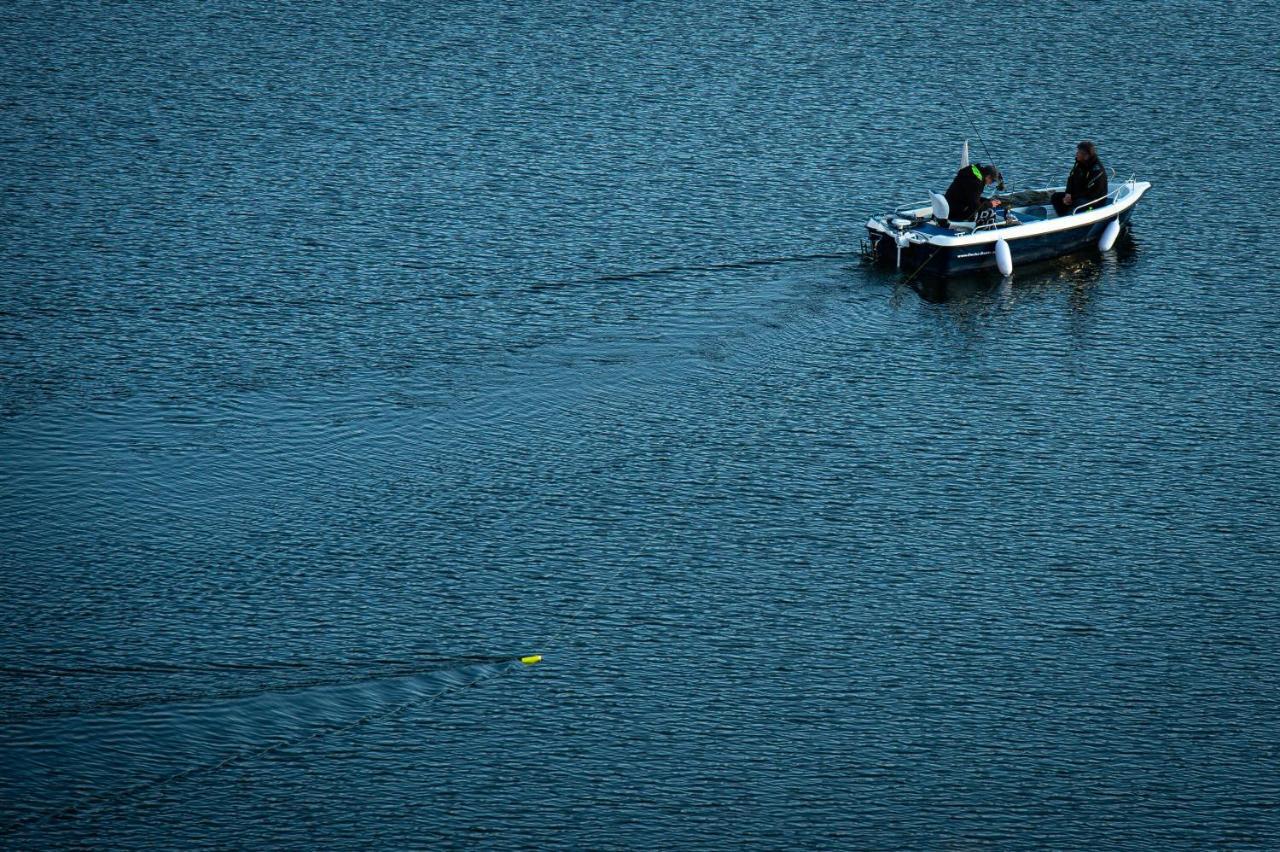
1077 274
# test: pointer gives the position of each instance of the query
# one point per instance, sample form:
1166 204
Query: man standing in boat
1087 181
964 196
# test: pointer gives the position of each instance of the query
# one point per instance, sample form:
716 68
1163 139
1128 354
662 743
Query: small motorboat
1024 228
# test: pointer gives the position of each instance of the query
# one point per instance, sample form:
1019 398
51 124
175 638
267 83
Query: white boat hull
911 240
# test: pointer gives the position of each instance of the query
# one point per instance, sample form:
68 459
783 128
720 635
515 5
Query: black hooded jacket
965 193
1087 181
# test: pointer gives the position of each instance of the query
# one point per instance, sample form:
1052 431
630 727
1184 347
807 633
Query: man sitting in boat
1087 182
964 196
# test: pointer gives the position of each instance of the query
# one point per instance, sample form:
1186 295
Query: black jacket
965 193
1087 181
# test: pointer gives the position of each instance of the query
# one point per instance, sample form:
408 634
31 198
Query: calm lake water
352 351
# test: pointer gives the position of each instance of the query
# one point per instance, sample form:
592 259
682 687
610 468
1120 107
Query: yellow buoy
530 660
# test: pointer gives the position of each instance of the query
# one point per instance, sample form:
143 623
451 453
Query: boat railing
1088 204
1110 197
989 224
1128 184
1113 196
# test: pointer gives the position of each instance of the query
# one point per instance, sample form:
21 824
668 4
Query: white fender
1004 258
941 208
1108 238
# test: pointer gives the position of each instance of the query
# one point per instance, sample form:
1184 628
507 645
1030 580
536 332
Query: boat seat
939 205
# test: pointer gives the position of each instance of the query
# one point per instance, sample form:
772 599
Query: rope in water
921 266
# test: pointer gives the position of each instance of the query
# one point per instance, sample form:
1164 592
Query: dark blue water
352 351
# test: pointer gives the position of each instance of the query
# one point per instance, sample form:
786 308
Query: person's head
1086 151
990 174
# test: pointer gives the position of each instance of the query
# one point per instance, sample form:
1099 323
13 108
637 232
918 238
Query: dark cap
1088 147
991 172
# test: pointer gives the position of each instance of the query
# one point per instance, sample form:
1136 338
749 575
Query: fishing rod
983 143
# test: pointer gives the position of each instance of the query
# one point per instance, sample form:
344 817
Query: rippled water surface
351 352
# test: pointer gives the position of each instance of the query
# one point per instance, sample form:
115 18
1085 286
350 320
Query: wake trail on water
665 271
77 765
163 667
170 687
